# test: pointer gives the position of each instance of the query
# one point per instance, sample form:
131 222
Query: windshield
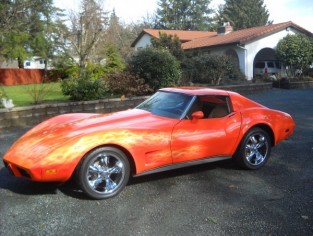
167 104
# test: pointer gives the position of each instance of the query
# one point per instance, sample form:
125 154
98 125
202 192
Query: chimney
225 29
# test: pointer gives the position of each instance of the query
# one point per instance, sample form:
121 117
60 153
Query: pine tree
184 14
242 14
169 42
25 27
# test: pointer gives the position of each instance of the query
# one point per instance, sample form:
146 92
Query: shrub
38 92
2 92
95 71
127 84
2 95
209 68
158 67
66 68
83 88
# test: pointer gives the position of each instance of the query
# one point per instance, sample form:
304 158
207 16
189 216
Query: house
247 46
30 63
144 38
34 63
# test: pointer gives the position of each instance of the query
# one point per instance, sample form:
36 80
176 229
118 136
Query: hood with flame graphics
62 141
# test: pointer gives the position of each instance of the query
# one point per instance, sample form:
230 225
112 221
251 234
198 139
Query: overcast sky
298 11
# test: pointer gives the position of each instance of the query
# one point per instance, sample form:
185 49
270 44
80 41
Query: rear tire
103 173
254 149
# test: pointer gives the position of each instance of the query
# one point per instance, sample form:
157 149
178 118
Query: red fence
20 76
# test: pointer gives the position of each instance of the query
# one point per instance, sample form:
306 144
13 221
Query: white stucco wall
246 53
144 41
255 46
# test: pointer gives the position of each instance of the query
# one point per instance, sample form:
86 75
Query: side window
260 65
278 65
270 64
211 106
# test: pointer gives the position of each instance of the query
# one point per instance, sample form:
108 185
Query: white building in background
30 63
36 63
247 46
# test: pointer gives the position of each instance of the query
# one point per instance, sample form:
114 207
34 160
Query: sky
297 11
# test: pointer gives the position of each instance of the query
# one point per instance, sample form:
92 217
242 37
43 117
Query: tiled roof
183 35
241 36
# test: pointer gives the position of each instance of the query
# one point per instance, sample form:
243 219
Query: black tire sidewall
240 153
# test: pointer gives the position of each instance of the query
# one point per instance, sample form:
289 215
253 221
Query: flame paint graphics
148 148
187 145
53 151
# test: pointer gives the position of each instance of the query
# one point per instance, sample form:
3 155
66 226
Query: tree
295 51
113 59
24 26
169 42
118 35
242 14
86 29
184 14
159 68
43 32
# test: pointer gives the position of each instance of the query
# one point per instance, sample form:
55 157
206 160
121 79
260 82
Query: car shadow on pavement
27 187
24 186
71 188
196 169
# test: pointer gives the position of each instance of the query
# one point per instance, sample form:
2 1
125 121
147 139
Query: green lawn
24 95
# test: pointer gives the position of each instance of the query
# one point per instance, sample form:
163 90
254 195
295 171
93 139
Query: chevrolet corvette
175 127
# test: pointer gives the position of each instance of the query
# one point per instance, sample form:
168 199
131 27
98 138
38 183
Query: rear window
270 65
278 65
260 65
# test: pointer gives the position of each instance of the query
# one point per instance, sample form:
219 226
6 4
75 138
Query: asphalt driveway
210 199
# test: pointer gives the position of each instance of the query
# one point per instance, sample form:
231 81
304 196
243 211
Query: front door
214 135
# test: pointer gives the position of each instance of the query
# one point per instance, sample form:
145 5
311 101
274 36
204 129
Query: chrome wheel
104 172
256 149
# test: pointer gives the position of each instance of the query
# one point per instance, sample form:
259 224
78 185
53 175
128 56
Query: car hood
66 127
67 137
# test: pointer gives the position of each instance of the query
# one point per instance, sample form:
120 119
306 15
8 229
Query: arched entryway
266 54
265 61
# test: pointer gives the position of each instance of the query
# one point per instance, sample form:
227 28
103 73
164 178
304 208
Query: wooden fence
21 76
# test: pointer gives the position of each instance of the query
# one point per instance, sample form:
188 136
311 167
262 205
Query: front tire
104 172
254 149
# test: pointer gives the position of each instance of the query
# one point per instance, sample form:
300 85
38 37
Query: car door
214 135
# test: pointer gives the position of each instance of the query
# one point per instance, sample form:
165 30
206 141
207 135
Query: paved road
211 199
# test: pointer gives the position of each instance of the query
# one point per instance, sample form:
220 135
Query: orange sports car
176 127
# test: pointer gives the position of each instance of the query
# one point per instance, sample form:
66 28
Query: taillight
265 70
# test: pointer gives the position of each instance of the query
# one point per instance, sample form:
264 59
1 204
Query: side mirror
197 115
